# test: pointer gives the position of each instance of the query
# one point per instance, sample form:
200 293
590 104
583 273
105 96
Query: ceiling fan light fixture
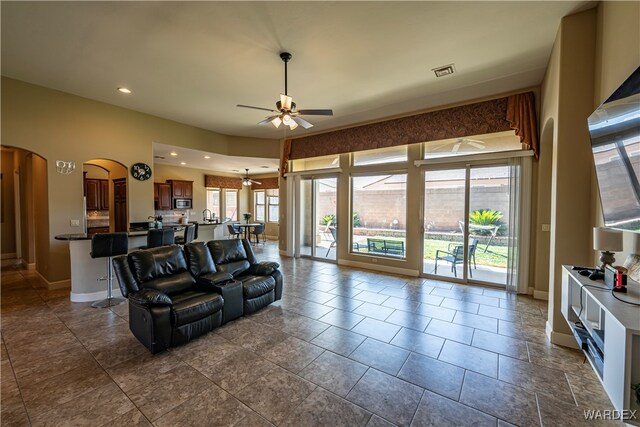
276 122
293 125
287 120
246 182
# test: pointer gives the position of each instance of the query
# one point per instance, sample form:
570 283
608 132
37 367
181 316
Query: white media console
608 331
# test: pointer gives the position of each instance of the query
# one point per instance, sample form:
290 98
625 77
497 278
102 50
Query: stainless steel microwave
182 203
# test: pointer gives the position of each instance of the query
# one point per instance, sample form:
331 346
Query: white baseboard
543 295
377 267
93 296
565 340
8 256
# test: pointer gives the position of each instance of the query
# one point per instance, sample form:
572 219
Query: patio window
315 163
273 205
259 205
231 204
380 156
479 144
379 214
213 201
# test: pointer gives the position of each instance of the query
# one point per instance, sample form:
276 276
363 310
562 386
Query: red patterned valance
222 182
497 115
266 184
456 122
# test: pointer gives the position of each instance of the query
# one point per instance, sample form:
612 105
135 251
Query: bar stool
108 245
160 237
189 235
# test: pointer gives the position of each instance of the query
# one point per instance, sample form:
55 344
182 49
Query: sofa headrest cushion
199 259
157 262
225 251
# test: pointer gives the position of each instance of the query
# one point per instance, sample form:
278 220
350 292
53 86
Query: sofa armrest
264 268
150 297
126 279
216 278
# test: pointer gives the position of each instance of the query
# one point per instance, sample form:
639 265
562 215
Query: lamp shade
605 239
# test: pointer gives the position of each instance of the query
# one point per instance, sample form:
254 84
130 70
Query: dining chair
257 231
234 233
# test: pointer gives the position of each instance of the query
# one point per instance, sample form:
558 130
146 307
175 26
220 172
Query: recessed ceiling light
173 153
124 90
182 163
207 157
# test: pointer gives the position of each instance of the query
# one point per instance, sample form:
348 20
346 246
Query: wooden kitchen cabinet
97 193
91 192
163 199
181 189
104 194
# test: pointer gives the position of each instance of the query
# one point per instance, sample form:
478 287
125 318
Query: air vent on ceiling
264 167
444 70
159 157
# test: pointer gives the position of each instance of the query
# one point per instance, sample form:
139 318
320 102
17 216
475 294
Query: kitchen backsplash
173 216
97 219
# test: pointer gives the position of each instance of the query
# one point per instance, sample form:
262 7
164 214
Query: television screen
615 140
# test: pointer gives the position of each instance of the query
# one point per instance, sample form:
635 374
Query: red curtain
286 156
521 114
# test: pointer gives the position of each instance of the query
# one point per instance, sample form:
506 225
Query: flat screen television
615 141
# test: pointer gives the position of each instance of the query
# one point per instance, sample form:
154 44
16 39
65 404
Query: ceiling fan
248 181
455 145
286 111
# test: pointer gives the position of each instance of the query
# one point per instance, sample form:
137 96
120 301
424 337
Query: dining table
246 227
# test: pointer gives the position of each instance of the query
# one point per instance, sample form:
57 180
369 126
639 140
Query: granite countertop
83 236
175 226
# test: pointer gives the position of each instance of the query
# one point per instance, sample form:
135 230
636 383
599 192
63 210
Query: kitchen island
86 270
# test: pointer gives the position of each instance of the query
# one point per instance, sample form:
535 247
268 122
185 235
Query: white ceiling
194 61
218 162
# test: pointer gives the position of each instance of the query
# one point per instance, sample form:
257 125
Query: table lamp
606 241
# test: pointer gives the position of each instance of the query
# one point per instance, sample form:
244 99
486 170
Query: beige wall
8 228
593 53
60 126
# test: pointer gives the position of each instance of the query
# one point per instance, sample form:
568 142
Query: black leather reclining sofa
179 293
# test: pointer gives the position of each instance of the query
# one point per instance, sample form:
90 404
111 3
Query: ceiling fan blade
302 122
285 102
255 182
257 108
267 120
317 112
478 145
456 147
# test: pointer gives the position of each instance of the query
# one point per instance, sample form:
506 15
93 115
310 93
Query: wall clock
141 171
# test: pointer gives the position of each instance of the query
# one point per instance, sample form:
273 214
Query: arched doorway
25 208
105 196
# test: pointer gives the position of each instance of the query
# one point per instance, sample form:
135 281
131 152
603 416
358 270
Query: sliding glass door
468 213
317 225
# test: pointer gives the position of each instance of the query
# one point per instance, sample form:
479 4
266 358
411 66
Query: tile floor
344 347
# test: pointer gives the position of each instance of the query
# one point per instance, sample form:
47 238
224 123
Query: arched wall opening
105 190
25 208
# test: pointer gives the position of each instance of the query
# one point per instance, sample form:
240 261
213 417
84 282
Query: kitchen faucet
205 218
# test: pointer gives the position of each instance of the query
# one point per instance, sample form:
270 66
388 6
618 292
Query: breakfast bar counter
86 270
